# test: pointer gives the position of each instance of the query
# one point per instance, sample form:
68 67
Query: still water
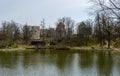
59 63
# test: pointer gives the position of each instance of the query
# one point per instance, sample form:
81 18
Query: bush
3 44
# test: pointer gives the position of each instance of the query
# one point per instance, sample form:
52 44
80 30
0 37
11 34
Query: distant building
35 32
47 33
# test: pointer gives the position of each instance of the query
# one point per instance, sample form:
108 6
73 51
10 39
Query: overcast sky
32 11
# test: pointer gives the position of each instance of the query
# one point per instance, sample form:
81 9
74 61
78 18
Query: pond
59 63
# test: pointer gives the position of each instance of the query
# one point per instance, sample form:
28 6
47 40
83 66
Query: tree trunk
86 40
109 40
101 40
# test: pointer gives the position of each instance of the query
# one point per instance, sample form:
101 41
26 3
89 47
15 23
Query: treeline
103 30
107 22
12 33
69 33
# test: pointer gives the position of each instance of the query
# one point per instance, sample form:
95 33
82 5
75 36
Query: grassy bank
13 49
95 48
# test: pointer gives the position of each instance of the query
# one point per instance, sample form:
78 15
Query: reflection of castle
35 32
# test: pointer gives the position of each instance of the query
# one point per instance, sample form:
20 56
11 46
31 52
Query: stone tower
35 31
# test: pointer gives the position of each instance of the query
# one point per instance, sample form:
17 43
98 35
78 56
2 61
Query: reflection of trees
117 60
29 59
47 58
63 60
33 58
104 64
86 59
8 60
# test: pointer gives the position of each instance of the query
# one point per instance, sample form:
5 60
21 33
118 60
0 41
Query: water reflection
86 59
8 60
58 63
117 65
104 64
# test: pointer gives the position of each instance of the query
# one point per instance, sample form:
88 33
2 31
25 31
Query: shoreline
12 49
94 49
61 48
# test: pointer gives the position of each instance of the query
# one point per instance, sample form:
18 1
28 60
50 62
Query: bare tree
60 31
3 30
26 33
42 34
108 28
117 30
98 30
111 6
69 26
104 28
84 30
11 32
